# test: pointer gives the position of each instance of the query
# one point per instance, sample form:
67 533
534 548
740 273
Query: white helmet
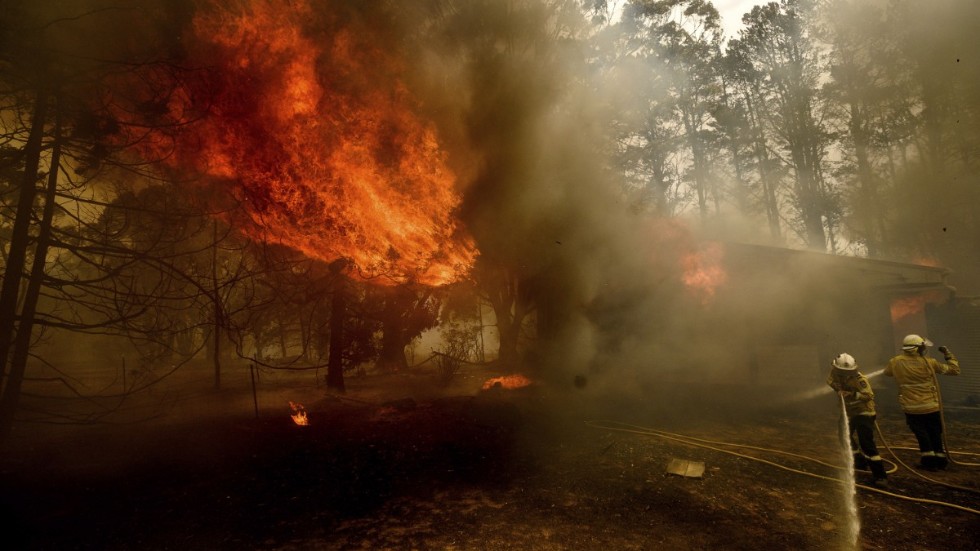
911 342
845 362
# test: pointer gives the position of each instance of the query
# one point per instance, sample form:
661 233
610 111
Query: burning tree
310 127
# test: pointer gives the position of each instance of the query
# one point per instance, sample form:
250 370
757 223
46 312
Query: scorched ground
388 467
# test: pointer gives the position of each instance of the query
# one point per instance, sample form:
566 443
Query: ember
509 382
299 414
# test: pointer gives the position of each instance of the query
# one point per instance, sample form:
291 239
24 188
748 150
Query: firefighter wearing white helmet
859 406
918 394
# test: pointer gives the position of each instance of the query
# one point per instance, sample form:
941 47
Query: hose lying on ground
916 471
942 420
712 445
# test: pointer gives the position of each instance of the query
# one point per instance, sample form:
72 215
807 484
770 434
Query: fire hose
942 420
949 454
916 472
720 447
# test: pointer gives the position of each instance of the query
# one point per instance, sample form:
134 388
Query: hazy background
597 155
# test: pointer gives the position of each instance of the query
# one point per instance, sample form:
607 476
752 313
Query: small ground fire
299 414
508 382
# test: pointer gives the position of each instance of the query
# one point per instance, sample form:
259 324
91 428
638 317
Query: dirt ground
499 469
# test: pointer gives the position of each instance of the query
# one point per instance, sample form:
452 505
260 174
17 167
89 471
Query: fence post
255 396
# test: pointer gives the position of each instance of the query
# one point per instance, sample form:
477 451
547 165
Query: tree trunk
20 235
393 348
741 199
393 342
509 309
216 303
508 334
283 347
698 161
811 200
338 314
866 178
10 398
216 348
770 201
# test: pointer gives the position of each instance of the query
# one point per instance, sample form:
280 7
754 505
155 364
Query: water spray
853 527
824 389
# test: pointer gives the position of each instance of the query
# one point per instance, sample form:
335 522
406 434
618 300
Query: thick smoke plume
521 112
493 119
311 101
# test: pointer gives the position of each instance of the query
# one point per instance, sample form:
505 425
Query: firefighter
859 405
918 394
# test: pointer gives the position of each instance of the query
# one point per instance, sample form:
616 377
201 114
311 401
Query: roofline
844 258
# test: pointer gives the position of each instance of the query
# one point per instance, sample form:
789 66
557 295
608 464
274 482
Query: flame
902 308
703 271
319 139
509 382
299 414
927 261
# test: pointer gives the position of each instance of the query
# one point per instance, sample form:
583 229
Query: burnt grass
494 470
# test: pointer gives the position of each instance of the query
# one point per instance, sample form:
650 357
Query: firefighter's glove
944 350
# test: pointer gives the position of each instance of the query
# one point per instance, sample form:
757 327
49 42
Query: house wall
956 324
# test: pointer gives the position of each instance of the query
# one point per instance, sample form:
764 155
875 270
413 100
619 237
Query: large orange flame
320 139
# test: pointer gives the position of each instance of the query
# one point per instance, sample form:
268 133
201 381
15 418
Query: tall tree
687 39
777 42
511 298
746 118
53 75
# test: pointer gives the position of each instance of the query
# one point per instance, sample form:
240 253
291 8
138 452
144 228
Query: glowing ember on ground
507 381
703 272
309 124
299 414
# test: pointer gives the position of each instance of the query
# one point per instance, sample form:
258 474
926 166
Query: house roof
885 275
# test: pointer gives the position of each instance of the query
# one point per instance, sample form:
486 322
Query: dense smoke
525 119
528 121
522 116
521 108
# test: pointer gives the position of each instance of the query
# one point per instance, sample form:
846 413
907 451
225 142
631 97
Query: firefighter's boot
928 463
941 461
878 475
860 462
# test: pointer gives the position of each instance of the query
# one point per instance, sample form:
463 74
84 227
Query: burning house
781 315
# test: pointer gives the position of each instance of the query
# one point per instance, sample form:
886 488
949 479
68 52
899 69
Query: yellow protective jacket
918 390
861 400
